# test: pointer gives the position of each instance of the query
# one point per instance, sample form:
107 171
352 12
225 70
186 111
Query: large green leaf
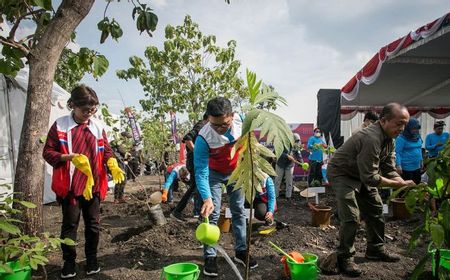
45 4
100 65
264 151
420 267
253 86
445 220
415 237
411 200
9 228
276 130
248 120
437 234
27 204
268 95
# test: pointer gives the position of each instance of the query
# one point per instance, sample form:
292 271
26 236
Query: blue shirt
315 153
169 180
408 154
431 141
201 167
270 192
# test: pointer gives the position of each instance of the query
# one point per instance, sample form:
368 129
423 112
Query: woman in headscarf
408 150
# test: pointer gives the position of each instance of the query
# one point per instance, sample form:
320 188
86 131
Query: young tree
42 50
189 71
252 162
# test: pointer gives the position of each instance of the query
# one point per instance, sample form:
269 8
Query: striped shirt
83 142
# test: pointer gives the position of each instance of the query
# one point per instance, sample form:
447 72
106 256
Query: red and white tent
413 70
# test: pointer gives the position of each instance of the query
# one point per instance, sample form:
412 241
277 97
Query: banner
135 131
173 124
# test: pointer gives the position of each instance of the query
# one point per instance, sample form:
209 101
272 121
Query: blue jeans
236 200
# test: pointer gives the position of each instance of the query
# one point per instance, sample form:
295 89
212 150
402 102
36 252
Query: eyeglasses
88 110
222 125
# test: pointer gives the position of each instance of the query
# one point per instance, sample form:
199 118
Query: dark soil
132 247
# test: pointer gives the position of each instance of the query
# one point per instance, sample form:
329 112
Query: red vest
62 175
220 146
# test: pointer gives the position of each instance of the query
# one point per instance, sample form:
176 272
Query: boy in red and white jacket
79 152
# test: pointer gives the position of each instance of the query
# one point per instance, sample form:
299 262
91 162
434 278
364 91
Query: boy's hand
207 208
67 157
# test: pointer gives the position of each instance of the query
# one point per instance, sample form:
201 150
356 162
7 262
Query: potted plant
436 223
19 253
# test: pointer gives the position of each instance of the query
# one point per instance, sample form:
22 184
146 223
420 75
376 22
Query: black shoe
178 216
92 267
68 270
349 267
241 257
382 256
210 269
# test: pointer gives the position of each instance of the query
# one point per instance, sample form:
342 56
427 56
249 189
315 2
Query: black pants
191 191
71 218
260 208
315 172
412 175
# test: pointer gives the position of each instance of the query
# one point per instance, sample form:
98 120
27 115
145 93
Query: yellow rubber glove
81 162
164 195
87 193
117 173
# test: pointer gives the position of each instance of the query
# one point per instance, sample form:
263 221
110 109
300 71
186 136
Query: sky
297 46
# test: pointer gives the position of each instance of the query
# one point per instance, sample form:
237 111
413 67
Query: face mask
317 134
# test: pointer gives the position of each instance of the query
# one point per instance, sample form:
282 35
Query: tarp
328 114
412 70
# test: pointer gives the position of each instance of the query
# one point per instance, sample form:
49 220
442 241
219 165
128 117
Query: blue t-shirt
269 194
315 153
431 141
408 154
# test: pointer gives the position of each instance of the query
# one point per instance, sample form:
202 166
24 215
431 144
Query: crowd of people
387 151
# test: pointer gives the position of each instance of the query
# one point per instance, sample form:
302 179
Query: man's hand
409 183
396 182
291 158
207 208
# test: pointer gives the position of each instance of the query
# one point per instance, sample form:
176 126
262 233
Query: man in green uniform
363 164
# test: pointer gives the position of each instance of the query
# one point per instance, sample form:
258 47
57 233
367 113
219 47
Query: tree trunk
43 59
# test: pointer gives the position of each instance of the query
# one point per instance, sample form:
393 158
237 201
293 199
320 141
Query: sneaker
210 269
178 216
241 258
92 267
382 256
348 267
68 270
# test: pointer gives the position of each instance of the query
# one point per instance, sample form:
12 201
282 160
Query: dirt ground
131 247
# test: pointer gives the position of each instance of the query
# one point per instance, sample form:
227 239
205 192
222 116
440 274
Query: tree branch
26 38
32 12
15 45
12 33
106 8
